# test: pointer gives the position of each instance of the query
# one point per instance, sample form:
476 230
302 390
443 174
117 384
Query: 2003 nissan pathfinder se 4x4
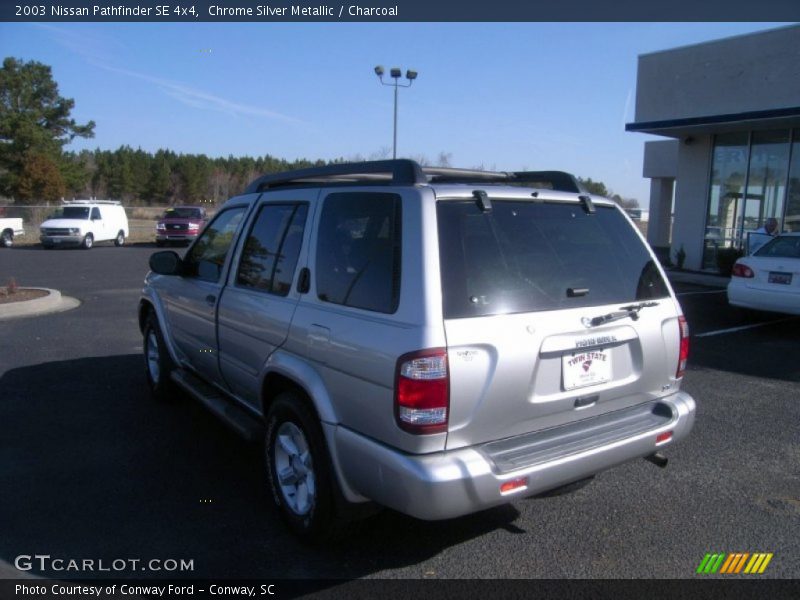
438 341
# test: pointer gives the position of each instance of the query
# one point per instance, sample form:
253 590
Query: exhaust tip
657 459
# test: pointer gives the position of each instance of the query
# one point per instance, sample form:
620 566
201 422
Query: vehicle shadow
93 468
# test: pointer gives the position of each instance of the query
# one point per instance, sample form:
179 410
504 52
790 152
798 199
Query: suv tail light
683 356
422 391
742 270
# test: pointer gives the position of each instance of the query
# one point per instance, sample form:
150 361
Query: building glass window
792 220
759 162
766 183
728 177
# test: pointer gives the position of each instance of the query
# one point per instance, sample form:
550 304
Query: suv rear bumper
458 482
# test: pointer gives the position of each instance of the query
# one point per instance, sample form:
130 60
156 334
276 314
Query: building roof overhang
758 119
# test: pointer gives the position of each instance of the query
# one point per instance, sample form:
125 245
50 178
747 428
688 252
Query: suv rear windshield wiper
632 311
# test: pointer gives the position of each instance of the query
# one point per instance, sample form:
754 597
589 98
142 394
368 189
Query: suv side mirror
166 262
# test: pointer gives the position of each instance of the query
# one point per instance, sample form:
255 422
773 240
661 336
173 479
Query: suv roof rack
408 172
557 180
394 172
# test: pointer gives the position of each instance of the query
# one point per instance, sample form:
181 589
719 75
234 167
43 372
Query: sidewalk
698 278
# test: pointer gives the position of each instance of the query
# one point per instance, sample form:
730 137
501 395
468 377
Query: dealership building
731 111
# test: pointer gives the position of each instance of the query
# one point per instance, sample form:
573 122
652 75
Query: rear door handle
211 299
318 335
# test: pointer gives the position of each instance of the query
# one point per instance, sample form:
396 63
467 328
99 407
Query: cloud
94 49
82 43
202 100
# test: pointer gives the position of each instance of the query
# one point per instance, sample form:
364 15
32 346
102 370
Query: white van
84 223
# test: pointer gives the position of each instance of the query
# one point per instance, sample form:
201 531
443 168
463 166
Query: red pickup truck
180 224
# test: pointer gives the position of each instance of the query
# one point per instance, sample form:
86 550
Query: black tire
315 519
7 239
120 239
88 242
157 372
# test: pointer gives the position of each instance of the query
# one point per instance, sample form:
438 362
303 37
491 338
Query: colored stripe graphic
754 562
737 562
730 563
765 563
733 563
741 562
715 563
758 563
703 563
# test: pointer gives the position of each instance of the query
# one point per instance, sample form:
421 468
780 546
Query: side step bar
234 417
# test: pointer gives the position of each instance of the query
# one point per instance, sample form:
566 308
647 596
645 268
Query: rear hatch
555 311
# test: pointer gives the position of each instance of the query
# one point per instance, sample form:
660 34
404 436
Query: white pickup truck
9 229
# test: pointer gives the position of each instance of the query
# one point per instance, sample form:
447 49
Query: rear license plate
586 368
776 277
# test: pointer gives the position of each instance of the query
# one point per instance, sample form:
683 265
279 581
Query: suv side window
358 251
270 254
207 257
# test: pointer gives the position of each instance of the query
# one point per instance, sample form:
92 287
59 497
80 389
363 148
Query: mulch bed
20 295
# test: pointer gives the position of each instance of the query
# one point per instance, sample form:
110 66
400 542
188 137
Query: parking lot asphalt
91 467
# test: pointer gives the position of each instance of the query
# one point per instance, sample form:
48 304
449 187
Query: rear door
256 307
526 285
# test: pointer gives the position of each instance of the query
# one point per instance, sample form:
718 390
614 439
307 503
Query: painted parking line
703 292
743 327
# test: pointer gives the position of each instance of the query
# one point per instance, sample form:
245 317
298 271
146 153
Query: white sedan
770 278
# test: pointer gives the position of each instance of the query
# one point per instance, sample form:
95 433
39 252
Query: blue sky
505 96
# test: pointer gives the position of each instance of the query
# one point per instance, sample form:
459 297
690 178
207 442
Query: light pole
395 73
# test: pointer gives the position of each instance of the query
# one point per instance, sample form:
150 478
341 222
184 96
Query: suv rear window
525 256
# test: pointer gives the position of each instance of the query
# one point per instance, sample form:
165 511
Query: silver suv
438 341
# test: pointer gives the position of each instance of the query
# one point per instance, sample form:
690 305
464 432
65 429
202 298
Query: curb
706 279
52 303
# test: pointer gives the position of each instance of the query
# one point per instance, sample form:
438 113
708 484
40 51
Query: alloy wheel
153 359
295 469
